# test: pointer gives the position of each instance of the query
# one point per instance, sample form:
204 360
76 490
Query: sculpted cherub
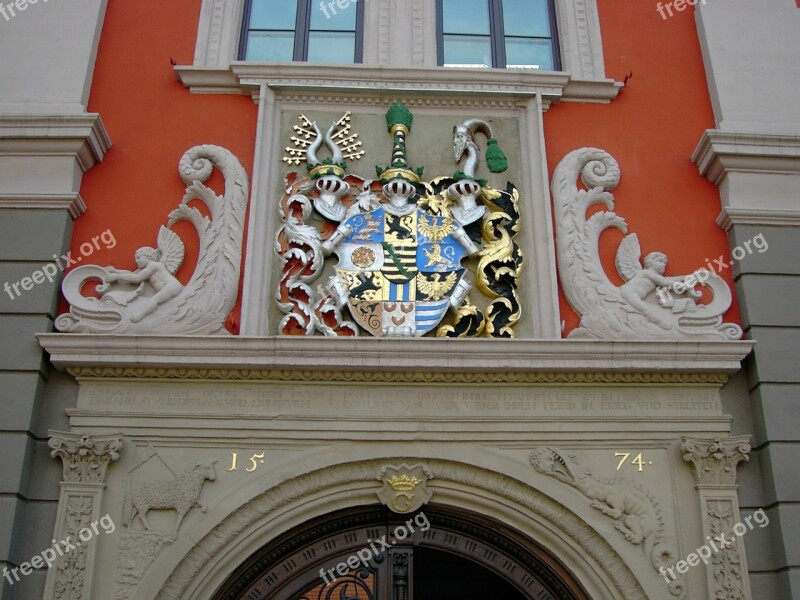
641 282
157 268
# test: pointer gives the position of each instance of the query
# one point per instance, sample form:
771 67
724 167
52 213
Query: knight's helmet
495 157
398 179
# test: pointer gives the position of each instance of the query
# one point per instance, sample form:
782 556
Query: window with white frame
513 34
302 30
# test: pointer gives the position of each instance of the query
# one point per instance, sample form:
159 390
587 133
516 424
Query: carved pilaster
714 463
85 460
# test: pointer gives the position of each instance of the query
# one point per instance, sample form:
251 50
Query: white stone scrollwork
150 299
634 513
648 305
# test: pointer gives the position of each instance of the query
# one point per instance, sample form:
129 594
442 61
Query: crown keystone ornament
405 487
400 243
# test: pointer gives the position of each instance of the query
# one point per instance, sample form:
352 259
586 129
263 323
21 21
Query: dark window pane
273 14
332 47
526 17
524 53
465 16
325 16
270 46
463 50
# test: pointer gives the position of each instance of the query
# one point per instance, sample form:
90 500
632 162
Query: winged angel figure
150 299
157 267
631 311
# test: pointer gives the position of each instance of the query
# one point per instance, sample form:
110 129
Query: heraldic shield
399 270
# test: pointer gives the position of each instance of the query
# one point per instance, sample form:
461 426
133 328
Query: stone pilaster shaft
85 460
714 463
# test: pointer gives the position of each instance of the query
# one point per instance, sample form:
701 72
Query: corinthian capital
85 457
714 460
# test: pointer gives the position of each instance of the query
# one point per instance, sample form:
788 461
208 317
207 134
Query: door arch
437 553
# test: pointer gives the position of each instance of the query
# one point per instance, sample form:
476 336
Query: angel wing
435 289
171 247
629 255
434 232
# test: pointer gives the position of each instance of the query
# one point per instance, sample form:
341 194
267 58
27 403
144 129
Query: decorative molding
242 523
730 217
218 32
319 80
721 152
72 202
714 461
434 356
634 512
622 378
728 569
85 458
70 573
83 137
404 487
151 299
649 304
580 39
137 551
384 31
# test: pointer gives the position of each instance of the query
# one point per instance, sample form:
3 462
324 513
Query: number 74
636 461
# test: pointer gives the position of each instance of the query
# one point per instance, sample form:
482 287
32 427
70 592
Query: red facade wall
651 129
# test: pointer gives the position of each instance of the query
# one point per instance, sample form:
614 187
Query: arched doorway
438 553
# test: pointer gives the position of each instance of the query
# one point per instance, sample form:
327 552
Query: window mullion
359 33
244 38
302 27
497 29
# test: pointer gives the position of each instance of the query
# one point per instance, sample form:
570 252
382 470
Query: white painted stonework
151 299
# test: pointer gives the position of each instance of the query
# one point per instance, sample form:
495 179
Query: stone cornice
82 136
468 84
72 202
721 152
758 217
98 355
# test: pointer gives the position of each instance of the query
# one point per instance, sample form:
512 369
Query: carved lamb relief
181 494
649 305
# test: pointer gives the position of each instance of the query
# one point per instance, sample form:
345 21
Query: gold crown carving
403 483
